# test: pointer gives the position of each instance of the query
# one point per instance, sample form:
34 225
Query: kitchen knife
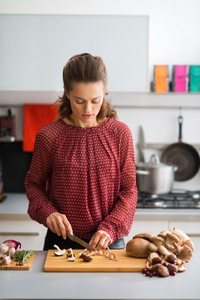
74 238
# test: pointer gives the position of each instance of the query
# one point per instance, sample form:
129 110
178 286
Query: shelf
118 99
175 93
7 139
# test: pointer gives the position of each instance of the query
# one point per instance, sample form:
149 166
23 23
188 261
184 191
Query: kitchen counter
37 284
15 206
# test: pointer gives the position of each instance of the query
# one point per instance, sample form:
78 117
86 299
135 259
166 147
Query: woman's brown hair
85 68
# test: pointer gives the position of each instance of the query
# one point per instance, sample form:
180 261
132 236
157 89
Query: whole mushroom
138 246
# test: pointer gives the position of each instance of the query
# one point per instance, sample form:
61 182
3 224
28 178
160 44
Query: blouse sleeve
118 223
36 180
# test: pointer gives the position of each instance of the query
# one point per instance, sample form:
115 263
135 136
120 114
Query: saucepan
184 156
155 177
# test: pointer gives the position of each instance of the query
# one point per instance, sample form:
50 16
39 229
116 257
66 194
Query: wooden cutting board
99 263
13 265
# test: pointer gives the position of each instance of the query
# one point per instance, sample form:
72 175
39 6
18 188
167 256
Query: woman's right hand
58 224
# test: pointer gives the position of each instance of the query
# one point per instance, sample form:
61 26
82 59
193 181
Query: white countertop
37 284
16 205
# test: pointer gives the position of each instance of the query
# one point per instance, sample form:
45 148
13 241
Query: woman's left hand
100 240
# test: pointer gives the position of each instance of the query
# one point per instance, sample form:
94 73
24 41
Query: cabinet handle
20 233
193 234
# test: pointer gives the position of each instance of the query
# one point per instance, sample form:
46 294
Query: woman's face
86 100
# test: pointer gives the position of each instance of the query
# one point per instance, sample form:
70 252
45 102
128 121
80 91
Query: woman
82 175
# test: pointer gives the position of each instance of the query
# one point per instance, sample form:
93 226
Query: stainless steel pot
155 177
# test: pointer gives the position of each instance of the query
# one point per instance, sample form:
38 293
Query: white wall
173 23
173 39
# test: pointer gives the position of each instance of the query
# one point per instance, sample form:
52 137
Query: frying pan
182 155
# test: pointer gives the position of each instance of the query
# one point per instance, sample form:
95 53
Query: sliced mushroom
100 252
70 255
59 252
111 256
86 257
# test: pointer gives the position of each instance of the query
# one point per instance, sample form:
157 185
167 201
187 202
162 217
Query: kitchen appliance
155 177
99 263
15 165
182 155
7 127
177 199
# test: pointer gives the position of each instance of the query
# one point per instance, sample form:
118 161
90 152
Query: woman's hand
100 240
58 224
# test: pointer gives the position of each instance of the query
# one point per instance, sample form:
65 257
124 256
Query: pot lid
154 162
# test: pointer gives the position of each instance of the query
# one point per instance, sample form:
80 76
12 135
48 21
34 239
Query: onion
12 243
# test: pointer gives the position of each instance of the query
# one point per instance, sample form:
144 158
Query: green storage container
194 78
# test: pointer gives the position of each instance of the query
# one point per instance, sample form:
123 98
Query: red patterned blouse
91 177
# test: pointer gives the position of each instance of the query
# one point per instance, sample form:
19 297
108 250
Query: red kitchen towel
35 117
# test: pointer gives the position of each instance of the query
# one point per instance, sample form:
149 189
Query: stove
175 199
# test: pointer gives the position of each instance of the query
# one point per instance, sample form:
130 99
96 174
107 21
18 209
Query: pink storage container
181 79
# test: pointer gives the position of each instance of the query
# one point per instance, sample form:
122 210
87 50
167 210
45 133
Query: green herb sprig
22 256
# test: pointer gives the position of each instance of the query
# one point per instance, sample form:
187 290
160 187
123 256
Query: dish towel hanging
35 117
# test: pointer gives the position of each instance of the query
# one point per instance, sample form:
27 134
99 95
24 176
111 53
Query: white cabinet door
29 233
146 226
192 229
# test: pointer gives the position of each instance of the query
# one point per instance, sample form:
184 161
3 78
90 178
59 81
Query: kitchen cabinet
156 220
192 229
29 233
16 224
108 36
146 226
14 219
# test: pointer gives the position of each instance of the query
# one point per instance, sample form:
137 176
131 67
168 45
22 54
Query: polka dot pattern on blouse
88 174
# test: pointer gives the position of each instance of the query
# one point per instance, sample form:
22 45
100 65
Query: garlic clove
7 260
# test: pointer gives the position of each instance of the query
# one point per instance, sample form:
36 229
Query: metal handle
155 159
180 123
193 235
141 172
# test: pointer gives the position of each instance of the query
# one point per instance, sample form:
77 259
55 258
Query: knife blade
76 239
141 145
